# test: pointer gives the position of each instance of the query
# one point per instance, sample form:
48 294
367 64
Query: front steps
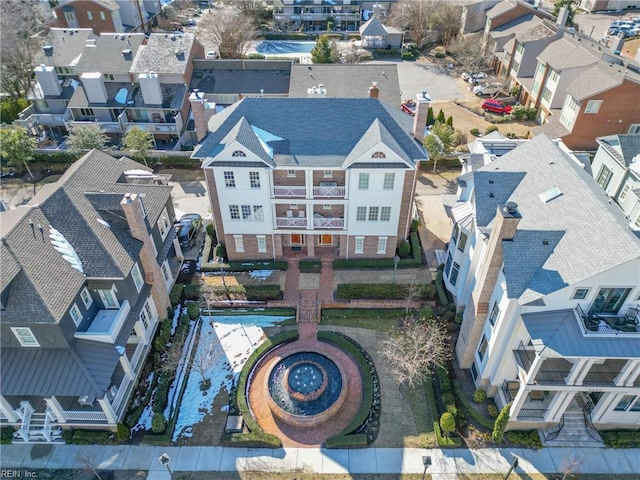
573 434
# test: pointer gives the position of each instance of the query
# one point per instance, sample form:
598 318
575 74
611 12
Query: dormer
377 147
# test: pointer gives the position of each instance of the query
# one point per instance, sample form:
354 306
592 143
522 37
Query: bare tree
89 461
415 17
570 466
172 356
447 20
255 9
414 349
230 31
205 358
20 20
469 51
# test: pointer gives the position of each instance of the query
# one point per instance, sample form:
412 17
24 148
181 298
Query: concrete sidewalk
447 463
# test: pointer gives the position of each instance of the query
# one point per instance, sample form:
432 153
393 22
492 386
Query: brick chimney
202 112
374 91
133 210
477 310
420 118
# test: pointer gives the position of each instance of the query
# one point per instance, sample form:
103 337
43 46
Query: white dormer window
378 155
164 224
109 298
238 153
86 297
75 314
137 277
25 336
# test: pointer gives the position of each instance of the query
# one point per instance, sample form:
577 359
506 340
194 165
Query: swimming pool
284 47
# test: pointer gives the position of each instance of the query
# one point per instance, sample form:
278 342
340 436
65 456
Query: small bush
415 223
205 384
459 138
447 423
176 294
448 399
475 132
191 292
404 249
479 395
426 312
255 56
221 251
512 135
450 121
440 54
441 118
492 410
526 438
408 56
387 52
193 310
445 442
430 118
490 128
6 435
158 423
501 423
90 437
210 230
122 432
621 438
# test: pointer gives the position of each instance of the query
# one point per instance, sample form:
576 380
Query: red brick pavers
325 293
292 281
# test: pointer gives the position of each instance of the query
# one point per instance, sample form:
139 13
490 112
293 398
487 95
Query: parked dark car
188 228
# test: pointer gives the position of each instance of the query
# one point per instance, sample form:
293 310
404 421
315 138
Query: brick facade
213 201
251 252
370 249
280 177
406 204
81 12
337 176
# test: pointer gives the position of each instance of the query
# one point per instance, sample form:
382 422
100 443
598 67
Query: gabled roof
373 28
106 55
165 53
597 79
623 147
314 131
556 244
68 45
108 4
564 53
375 135
501 7
248 138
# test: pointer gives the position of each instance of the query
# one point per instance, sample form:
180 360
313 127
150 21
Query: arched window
378 155
238 153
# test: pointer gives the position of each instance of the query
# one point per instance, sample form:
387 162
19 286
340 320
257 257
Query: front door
297 239
326 239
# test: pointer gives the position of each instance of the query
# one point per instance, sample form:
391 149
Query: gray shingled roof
576 250
623 147
501 8
557 333
347 80
373 28
564 53
107 57
597 79
376 133
159 54
68 45
317 131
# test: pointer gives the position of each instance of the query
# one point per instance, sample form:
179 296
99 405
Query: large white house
548 273
316 175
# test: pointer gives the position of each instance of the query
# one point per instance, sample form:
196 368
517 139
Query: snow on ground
144 422
227 341
261 274
181 371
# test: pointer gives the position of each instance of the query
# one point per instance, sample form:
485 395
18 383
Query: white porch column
7 410
308 211
605 405
141 332
108 410
308 183
57 409
584 368
521 396
533 370
126 366
628 374
558 405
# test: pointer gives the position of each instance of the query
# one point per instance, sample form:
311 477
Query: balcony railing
595 323
289 191
86 416
600 378
531 414
328 223
113 127
152 127
291 222
332 191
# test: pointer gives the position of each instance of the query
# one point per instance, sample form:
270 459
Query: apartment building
107 16
616 168
86 270
302 174
609 5
546 270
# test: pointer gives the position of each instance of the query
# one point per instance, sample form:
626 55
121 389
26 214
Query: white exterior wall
462 258
618 172
477 253
565 77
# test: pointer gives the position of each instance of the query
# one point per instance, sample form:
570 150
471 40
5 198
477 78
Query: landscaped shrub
122 432
526 438
254 56
163 336
162 391
492 410
445 442
259 293
450 121
176 294
6 435
221 251
479 395
442 295
448 399
440 118
191 292
440 54
468 409
521 112
475 132
426 313
408 56
430 118
404 249
193 310
387 52
382 291
310 266
415 223
358 440
91 437
511 135
501 423
490 128
447 423
621 438
211 230
205 384
158 423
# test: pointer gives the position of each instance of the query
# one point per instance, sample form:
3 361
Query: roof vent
48 50
550 194
511 207
545 242
127 53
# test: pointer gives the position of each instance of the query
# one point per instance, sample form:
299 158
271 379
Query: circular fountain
305 389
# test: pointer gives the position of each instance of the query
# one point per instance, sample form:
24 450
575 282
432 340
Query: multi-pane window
86 297
389 180
363 181
258 213
454 235
361 214
580 294
378 155
482 349
385 214
166 272
572 104
137 277
447 266
359 247
163 224
25 336
546 93
87 112
109 299
239 243
519 47
328 174
69 16
146 315
229 180
637 222
462 243
373 214
493 316
238 153
625 191
262 243
76 315
604 176
291 173
234 212
382 244
624 403
108 76
254 179
454 274
610 300
246 212
553 76
593 106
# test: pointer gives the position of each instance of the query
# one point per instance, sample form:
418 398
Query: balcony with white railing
160 127
106 325
328 190
321 222
289 191
109 127
291 222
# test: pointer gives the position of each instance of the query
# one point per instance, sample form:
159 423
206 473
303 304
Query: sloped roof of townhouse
599 78
622 147
109 4
164 53
515 28
105 249
564 53
67 46
346 80
556 243
501 7
108 55
373 28
319 132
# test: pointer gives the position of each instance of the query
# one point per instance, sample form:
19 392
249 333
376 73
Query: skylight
550 194
266 137
64 248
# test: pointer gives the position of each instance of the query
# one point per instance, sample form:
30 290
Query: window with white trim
86 297
109 298
75 313
593 106
25 336
254 179
580 293
326 206
166 272
108 76
163 224
239 241
604 176
385 214
291 173
363 181
238 153
328 174
493 316
373 214
553 75
258 213
145 318
70 16
378 155
546 93
454 235
635 128
389 180
482 349
262 243
637 222
361 214
382 245
137 277
359 246
246 212
462 243
229 180
234 212
625 191
624 403
453 278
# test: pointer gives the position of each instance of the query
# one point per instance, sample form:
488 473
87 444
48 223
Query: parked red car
494 106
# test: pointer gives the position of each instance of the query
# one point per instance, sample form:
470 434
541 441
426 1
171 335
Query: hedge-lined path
292 281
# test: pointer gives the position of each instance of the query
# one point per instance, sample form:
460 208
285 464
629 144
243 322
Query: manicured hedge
357 440
257 436
384 291
468 408
191 292
244 266
621 438
442 295
288 36
446 442
176 294
526 438
6 435
91 437
259 293
413 261
251 440
312 266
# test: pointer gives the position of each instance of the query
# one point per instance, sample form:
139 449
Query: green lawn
380 319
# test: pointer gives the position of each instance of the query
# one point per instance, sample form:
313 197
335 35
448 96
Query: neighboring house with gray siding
87 266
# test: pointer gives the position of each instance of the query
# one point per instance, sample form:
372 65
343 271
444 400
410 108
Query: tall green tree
83 138
139 142
439 142
441 118
17 147
324 51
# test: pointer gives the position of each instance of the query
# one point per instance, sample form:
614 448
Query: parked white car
476 78
490 88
